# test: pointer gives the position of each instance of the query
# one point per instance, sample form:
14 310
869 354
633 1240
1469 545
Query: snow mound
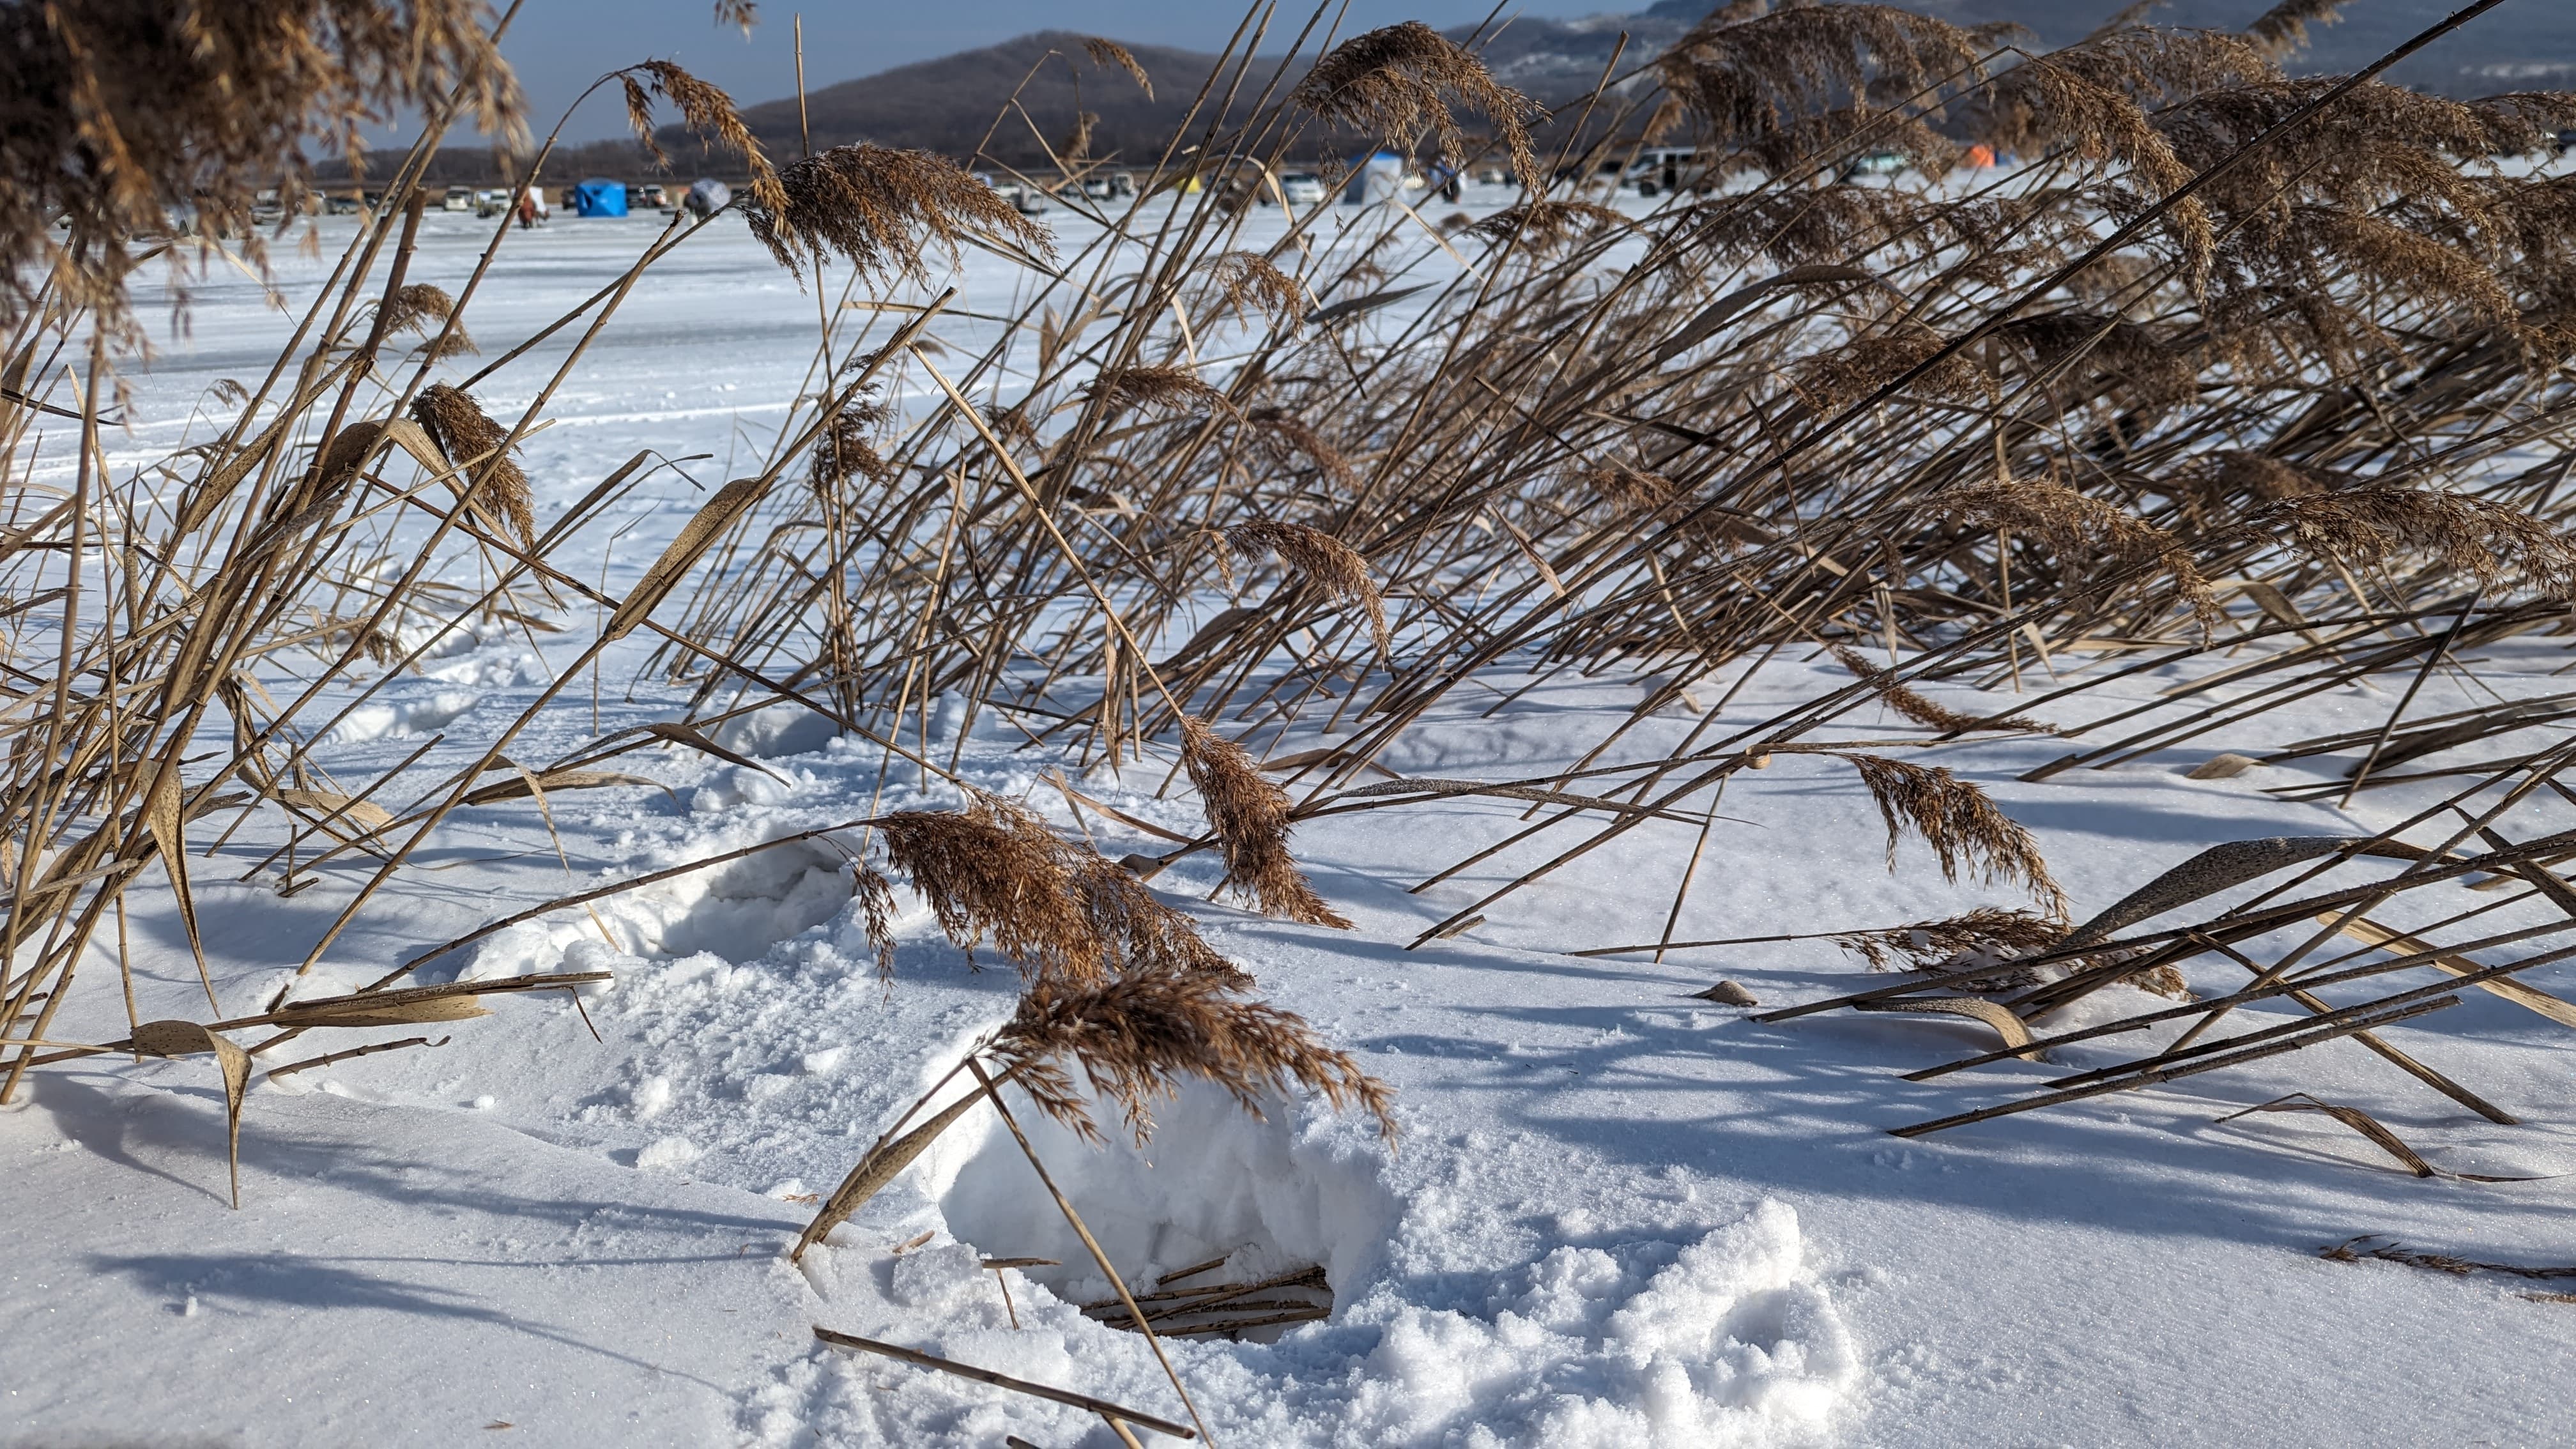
1728 1340
776 732
403 719
1266 1196
735 911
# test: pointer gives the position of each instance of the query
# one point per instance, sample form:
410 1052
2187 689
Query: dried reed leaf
2352 1117
551 780
2206 874
353 1012
681 553
162 815
1704 324
871 1174
366 815
187 1038
1995 1014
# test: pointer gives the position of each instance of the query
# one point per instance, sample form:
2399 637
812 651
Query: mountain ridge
950 104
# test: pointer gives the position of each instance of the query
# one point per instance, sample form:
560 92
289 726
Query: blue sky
560 46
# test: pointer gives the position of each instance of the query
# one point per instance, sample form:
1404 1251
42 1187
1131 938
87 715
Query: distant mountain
957 102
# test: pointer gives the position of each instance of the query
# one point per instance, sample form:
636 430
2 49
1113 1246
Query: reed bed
2230 366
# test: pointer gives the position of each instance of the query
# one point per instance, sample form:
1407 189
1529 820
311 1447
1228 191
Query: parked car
459 198
1876 163
1026 200
1660 170
1301 188
646 196
342 204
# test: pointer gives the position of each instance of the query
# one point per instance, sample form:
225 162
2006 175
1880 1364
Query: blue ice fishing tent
599 197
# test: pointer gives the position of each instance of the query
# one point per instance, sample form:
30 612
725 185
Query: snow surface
1617 1215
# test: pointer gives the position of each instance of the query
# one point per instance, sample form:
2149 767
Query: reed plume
1106 53
1248 283
1980 939
1325 561
2484 541
1159 387
1929 713
706 112
1748 75
995 873
124 115
1399 83
1249 813
462 431
2282 31
1960 823
1979 950
1137 1036
2075 525
1549 225
1285 431
880 209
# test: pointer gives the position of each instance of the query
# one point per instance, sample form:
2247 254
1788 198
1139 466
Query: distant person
706 197
527 210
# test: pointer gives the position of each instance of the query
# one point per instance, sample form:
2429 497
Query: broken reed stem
852 1343
2152 1076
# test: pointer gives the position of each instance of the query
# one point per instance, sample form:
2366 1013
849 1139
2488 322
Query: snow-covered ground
1617 1214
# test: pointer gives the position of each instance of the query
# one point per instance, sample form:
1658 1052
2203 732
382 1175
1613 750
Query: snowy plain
1617 1215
